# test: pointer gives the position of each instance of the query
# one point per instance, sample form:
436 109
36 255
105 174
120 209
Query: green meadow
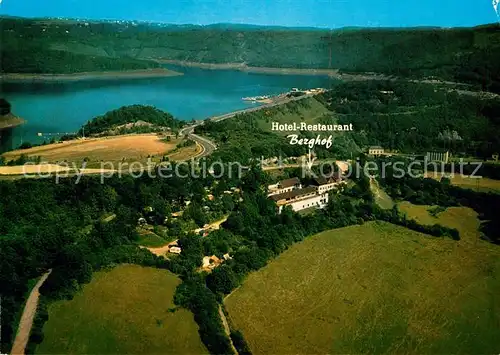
375 288
128 310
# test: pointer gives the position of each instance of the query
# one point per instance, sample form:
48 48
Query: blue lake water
58 108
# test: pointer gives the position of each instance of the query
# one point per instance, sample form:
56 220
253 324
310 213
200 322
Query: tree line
130 114
416 117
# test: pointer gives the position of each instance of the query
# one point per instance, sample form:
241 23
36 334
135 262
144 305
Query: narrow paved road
209 146
26 322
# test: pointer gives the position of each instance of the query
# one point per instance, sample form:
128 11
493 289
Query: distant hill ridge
458 54
240 26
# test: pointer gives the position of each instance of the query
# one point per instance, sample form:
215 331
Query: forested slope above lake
401 116
462 54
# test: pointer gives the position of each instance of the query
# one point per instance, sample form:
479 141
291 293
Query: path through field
24 330
381 197
226 328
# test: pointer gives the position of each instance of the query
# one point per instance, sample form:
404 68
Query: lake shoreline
332 73
249 69
87 76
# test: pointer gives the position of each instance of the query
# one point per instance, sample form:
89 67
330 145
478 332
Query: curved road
207 145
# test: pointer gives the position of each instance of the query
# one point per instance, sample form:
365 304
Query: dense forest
39 60
401 116
240 139
417 117
130 114
462 54
59 226
44 225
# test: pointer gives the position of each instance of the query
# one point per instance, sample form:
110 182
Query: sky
304 13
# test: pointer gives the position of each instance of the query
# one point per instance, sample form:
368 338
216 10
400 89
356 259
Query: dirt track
33 169
27 318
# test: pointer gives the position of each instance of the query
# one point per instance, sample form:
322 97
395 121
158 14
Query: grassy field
150 239
376 288
122 311
482 184
464 219
130 147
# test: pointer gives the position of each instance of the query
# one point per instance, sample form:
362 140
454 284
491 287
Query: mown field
482 184
375 288
122 311
150 239
133 147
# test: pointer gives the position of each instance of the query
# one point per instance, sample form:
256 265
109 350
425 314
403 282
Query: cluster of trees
398 115
186 143
29 46
60 227
255 232
44 225
241 140
130 114
248 136
426 191
416 117
489 170
462 54
48 225
195 296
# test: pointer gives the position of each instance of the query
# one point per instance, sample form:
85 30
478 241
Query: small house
175 250
211 262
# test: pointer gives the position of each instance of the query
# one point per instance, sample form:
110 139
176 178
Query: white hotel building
290 193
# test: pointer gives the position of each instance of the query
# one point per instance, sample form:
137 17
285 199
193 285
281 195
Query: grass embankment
122 311
309 110
186 153
375 288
